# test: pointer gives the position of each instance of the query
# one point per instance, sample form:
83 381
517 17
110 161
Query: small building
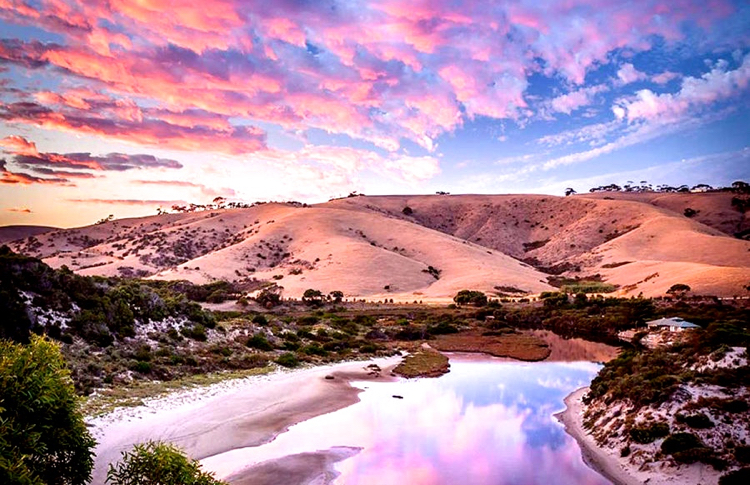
674 324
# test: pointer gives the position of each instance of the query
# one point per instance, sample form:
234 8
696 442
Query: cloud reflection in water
484 423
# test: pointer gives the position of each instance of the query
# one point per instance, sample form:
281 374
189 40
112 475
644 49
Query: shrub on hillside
649 434
260 342
736 477
696 421
287 359
260 319
158 463
677 442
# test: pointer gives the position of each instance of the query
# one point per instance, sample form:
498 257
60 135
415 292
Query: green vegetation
644 376
696 421
158 463
680 442
43 438
423 363
736 477
678 289
288 359
584 286
101 310
650 433
470 297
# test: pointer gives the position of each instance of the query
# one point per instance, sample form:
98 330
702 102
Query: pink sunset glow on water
486 422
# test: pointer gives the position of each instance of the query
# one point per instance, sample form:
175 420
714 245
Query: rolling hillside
13 233
427 247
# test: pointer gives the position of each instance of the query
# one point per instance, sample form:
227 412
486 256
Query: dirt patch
521 346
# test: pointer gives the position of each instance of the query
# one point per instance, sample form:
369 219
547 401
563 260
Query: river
486 422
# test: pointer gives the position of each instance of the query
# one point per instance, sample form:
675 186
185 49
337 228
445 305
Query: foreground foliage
154 463
43 439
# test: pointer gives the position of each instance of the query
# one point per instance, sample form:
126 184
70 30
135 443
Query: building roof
672 322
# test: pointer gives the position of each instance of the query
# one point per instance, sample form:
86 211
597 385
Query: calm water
485 422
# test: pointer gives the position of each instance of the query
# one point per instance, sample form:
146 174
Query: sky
125 106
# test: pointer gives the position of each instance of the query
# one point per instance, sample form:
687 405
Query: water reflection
486 422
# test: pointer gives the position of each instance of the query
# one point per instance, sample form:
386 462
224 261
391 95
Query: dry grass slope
370 247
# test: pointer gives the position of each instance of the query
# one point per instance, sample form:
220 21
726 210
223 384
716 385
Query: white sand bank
225 416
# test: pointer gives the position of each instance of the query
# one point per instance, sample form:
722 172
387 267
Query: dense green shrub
583 287
43 439
411 332
314 349
442 328
736 477
696 421
742 454
307 320
260 342
288 359
158 464
470 297
649 434
368 348
700 454
642 377
260 319
680 442
142 367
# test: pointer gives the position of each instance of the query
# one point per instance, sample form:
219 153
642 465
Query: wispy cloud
136 202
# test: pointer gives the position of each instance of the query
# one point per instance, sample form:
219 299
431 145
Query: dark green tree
312 297
43 439
470 297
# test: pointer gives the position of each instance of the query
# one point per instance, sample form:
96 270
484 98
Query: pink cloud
715 85
204 189
8 177
177 74
664 77
629 74
569 102
22 210
135 202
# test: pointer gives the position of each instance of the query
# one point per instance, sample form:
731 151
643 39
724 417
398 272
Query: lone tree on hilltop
678 290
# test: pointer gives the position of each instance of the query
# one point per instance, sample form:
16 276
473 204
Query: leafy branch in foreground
43 438
155 463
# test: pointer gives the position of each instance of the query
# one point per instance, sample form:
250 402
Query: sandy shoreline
225 416
594 456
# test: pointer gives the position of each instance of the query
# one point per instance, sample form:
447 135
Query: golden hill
427 247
